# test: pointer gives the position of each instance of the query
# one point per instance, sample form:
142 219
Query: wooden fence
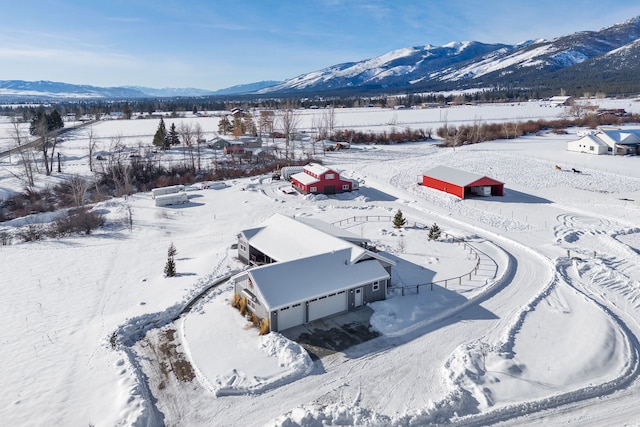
448 237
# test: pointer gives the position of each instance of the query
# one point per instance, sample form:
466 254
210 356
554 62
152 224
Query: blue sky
214 44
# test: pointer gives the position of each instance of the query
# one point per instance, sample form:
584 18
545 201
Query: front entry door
358 298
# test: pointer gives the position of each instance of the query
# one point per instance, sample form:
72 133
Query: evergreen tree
126 111
54 120
170 266
399 220
173 137
42 123
160 137
434 232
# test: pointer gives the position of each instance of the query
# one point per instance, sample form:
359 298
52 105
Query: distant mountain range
607 60
20 90
586 59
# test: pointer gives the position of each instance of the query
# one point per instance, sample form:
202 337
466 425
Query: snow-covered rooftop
284 283
454 176
285 239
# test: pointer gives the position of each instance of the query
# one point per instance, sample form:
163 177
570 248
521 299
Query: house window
345 186
329 176
376 286
313 189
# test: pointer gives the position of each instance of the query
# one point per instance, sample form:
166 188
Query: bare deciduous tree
79 187
46 145
92 147
289 120
199 140
188 136
21 140
266 121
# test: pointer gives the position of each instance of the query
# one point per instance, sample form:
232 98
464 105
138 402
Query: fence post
445 283
417 289
402 290
432 286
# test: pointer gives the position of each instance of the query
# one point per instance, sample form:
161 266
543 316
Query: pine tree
160 137
434 232
170 266
399 220
173 137
126 111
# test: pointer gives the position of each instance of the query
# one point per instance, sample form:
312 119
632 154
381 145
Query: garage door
327 305
290 316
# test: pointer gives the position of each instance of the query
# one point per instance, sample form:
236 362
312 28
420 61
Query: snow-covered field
546 331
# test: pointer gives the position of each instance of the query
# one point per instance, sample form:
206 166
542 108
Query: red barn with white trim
461 183
318 179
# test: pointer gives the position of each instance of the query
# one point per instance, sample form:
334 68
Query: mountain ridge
578 61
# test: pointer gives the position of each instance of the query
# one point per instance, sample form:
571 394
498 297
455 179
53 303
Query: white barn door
328 305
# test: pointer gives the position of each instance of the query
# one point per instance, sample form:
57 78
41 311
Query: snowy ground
546 332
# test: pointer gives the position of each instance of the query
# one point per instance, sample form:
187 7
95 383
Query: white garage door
290 317
327 305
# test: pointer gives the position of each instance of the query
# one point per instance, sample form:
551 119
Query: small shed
172 199
461 183
155 192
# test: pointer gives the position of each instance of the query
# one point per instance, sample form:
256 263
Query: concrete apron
333 334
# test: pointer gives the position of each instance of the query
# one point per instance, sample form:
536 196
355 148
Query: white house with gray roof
615 141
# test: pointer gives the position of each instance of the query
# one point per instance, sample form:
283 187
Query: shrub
5 238
255 320
31 233
264 326
80 220
235 301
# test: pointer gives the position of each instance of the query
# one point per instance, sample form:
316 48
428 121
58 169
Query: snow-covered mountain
585 61
461 65
20 90
42 89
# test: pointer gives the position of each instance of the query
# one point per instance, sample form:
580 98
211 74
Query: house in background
461 183
319 179
615 141
251 141
234 148
305 270
218 143
560 101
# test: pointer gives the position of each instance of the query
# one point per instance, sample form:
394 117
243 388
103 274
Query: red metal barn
318 179
461 183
